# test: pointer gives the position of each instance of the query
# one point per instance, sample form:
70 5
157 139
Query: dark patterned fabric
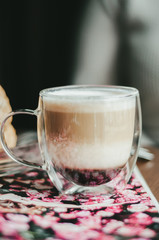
31 208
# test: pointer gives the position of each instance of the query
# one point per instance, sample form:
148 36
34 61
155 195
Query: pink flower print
67 198
115 209
128 192
140 190
100 198
152 209
112 226
137 208
92 222
92 234
15 190
91 207
43 223
83 213
11 228
32 174
10 180
128 231
104 213
60 209
155 219
19 218
129 186
52 238
15 186
89 202
128 196
46 221
71 231
40 186
147 233
147 201
139 218
135 182
68 215
140 238
145 194
34 194
2 219
104 237
15 223
39 181
23 181
106 201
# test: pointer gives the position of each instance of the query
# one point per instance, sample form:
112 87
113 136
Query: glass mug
89 136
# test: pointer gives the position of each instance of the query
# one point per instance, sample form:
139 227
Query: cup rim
127 92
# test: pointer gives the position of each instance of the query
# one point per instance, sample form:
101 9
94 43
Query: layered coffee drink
89 142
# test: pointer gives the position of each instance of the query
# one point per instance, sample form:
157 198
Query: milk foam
80 105
86 93
90 156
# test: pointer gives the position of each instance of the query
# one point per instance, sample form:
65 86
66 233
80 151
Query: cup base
75 196
89 190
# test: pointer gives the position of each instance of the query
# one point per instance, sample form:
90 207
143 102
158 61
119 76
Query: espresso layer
91 127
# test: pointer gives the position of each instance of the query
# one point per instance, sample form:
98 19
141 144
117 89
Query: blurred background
37 41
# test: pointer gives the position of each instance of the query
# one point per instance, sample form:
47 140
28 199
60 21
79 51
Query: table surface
150 171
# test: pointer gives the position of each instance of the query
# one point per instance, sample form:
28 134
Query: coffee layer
101 127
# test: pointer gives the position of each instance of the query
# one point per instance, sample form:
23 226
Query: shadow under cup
88 136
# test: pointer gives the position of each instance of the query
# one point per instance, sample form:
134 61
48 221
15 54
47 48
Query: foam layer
90 100
90 156
87 93
61 105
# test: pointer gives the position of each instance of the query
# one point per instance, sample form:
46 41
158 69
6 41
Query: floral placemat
30 208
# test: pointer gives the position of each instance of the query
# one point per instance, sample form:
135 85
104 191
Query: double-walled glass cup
88 136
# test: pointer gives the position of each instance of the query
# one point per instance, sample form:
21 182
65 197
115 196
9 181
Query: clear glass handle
3 142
